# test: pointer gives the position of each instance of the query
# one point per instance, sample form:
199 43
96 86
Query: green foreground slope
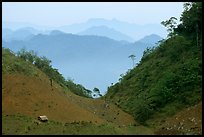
169 77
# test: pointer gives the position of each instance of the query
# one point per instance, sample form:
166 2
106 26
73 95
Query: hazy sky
65 13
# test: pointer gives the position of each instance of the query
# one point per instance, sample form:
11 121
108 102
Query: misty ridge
94 53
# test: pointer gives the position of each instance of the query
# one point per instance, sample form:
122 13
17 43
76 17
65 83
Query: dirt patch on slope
34 96
188 122
105 110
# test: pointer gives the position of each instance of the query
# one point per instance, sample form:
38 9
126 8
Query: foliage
96 92
147 51
27 56
12 64
132 56
78 89
191 22
168 75
170 24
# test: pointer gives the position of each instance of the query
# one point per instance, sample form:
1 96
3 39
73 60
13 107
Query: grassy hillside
168 78
29 64
12 64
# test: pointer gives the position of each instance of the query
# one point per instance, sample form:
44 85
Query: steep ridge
167 83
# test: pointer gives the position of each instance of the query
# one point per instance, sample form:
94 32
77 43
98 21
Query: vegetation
96 92
133 59
24 125
12 64
23 62
168 77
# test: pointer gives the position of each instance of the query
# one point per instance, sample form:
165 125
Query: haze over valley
79 56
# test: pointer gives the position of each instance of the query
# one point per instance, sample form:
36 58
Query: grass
24 125
12 64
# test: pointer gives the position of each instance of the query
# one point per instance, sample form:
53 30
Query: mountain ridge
106 31
91 51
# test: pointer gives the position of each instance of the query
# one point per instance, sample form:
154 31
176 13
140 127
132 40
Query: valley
102 76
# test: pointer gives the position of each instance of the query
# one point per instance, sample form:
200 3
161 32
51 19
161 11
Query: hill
168 78
106 31
133 30
151 39
20 34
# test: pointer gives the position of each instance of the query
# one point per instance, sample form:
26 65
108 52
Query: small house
43 118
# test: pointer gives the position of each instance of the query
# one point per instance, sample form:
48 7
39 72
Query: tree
42 62
121 77
133 59
96 92
88 92
22 54
191 25
27 55
31 56
170 24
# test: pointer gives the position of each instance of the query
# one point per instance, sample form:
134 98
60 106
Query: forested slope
168 78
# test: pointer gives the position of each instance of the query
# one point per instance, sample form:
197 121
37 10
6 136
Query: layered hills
69 52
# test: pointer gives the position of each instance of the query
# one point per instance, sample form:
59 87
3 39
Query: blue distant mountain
18 25
93 61
132 30
151 39
19 34
56 32
106 31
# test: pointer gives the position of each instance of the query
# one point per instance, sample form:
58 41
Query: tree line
44 64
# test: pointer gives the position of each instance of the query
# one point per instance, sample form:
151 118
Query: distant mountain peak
102 30
152 39
56 32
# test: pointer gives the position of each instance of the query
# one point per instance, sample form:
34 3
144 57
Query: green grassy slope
12 64
167 79
30 126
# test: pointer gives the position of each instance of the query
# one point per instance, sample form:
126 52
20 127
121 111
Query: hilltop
106 31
